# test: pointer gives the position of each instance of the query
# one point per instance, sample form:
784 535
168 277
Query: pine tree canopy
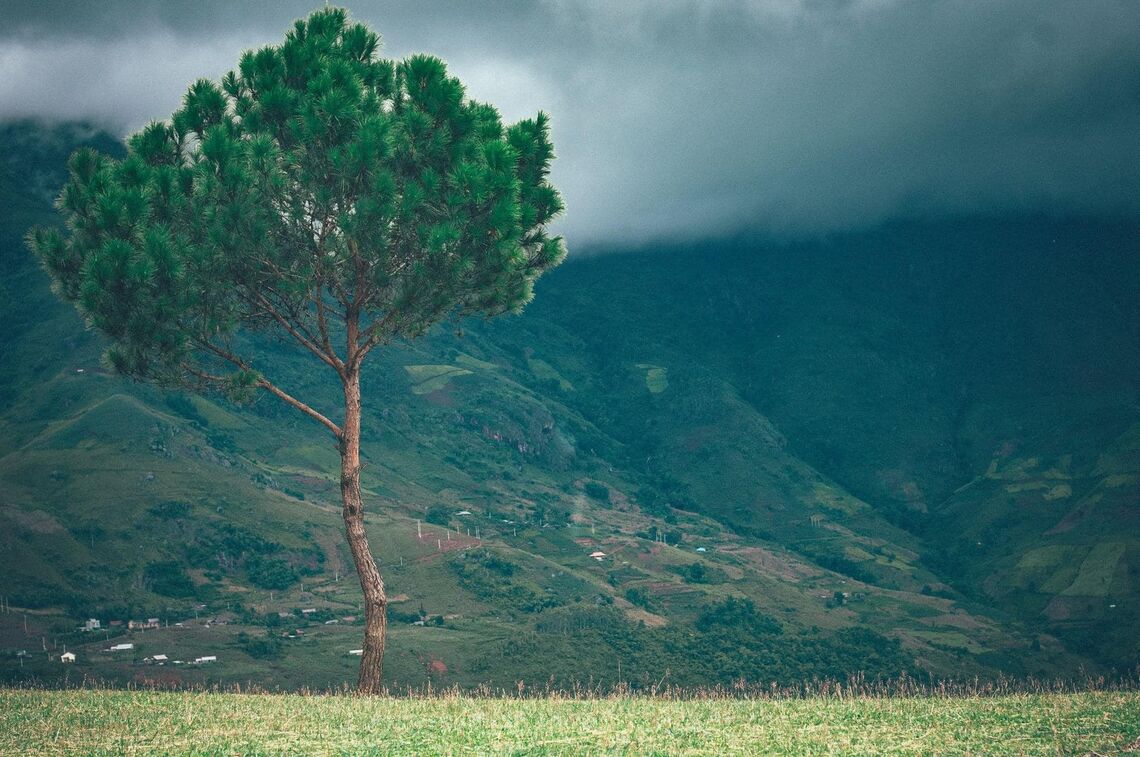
321 190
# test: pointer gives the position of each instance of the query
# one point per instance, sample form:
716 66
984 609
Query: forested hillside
915 448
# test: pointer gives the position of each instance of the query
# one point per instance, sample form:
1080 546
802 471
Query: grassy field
117 722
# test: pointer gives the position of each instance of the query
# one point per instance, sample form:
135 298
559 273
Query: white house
357 652
121 647
67 657
464 512
158 659
598 555
92 625
207 658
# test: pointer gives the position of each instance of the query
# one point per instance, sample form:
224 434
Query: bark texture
371 583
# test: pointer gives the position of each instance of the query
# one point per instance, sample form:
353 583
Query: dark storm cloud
696 117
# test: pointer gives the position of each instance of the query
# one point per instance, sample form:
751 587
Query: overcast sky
686 118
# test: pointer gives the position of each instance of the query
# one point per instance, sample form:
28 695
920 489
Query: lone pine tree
320 192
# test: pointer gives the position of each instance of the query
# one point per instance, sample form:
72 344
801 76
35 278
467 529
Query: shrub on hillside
168 579
597 491
269 572
639 597
700 573
438 514
259 647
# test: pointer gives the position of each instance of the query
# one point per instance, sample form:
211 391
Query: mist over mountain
911 448
689 119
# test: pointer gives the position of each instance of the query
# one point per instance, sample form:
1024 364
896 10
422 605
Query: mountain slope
728 422
942 374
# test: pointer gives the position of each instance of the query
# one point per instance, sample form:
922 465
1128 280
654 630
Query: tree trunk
375 599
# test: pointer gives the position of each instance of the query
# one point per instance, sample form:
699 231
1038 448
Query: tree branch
319 297
262 383
373 334
269 387
330 358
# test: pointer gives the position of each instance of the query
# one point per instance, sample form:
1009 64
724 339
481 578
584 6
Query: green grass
544 371
656 377
431 378
105 722
1096 571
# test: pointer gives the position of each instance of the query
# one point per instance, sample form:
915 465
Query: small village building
67 657
121 647
598 555
158 659
92 625
464 512
308 611
701 549
357 652
141 625
205 659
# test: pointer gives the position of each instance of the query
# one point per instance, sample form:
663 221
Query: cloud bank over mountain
688 118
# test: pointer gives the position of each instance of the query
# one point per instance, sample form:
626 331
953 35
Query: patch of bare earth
955 620
768 562
635 614
36 521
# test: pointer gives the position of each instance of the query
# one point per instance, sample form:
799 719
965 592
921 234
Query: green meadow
95 722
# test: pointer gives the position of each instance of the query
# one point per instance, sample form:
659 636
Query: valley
798 460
